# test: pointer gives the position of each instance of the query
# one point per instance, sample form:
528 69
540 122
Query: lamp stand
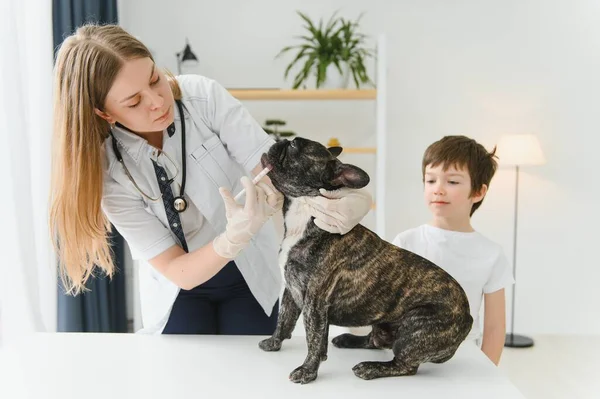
513 340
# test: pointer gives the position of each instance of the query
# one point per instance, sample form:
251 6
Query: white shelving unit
378 95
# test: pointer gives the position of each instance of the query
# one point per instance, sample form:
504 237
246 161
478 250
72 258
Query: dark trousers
222 305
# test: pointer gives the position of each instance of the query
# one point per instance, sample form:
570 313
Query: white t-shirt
477 263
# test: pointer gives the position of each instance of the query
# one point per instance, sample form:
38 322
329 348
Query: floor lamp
518 150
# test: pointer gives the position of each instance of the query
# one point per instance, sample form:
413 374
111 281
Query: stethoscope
179 203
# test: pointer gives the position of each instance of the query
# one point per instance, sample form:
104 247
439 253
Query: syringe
258 177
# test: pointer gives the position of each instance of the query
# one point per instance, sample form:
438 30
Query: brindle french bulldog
357 279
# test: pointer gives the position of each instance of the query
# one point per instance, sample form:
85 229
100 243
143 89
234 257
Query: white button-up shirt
223 143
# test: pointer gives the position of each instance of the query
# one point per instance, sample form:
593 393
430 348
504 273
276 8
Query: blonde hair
86 67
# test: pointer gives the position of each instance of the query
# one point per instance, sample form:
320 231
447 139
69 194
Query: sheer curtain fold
27 268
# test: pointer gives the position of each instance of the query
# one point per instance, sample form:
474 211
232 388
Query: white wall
480 68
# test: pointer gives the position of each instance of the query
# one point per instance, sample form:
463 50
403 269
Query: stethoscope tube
179 202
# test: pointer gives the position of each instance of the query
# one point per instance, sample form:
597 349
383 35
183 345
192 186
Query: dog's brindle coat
357 279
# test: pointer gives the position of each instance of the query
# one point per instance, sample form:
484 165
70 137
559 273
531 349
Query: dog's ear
335 151
349 176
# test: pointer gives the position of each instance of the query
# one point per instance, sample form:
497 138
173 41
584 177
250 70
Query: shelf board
304 94
358 150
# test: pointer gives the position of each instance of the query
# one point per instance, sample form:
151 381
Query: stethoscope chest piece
180 204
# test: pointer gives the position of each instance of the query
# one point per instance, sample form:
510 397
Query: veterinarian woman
159 157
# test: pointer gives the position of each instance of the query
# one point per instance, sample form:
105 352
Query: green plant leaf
277 122
284 50
339 68
320 28
331 23
311 26
362 69
303 53
303 74
355 78
336 41
310 40
321 73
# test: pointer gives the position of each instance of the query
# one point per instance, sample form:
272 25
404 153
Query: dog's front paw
270 344
303 375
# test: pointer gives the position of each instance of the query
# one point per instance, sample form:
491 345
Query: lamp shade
187 62
519 149
188 54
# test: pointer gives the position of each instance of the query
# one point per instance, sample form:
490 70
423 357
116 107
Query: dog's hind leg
351 341
424 334
393 368
444 357
381 336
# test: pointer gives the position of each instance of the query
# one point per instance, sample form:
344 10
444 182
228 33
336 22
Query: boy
456 173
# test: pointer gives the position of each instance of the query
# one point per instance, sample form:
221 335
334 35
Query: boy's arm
494 325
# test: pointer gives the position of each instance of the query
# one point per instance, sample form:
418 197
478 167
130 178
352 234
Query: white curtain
27 267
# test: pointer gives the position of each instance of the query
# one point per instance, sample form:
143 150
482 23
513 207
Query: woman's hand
340 210
244 221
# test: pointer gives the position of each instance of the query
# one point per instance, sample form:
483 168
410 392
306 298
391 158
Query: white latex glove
340 210
244 221
274 198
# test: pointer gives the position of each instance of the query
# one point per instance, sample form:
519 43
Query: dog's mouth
264 160
276 155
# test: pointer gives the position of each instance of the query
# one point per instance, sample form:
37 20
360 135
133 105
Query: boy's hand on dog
338 211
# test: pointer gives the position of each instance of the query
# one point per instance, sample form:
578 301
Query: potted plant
336 48
276 124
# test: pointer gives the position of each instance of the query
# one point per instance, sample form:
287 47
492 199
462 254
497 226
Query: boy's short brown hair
463 153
